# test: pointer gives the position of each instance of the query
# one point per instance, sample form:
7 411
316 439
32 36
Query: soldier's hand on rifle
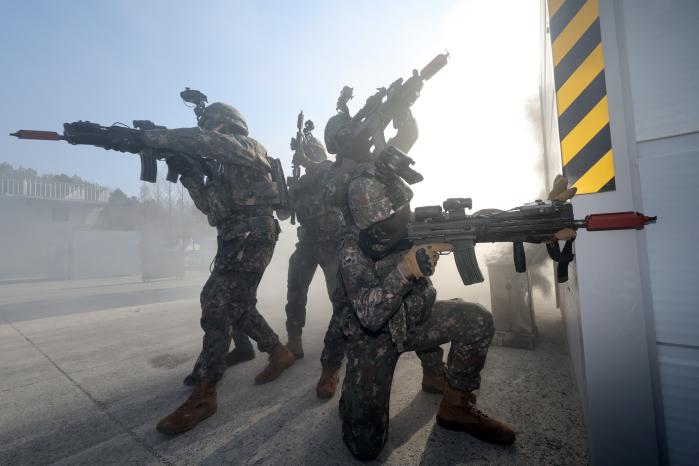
562 193
421 260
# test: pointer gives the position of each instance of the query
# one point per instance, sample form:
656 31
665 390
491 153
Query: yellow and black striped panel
581 94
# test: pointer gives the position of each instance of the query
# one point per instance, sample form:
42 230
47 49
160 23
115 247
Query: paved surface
88 367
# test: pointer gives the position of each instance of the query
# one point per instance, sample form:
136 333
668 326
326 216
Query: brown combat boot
457 413
200 405
294 345
328 383
280 358
433 383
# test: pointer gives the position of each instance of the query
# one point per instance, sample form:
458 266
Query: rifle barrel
40 135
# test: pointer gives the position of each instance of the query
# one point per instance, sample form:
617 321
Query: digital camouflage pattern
238 198
318 234
386 314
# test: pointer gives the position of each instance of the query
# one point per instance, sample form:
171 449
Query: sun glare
475 138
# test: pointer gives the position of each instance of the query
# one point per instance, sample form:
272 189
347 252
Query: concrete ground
88 367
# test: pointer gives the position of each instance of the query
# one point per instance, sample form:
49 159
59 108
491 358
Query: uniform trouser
304 261
334 347
228 302
372 359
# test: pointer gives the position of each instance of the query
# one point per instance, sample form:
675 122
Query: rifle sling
563 257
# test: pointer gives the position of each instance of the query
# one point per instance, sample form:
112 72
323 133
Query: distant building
39 218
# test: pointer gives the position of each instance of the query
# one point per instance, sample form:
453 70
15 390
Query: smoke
536 254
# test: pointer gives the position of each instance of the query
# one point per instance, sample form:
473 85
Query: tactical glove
421 261
560 192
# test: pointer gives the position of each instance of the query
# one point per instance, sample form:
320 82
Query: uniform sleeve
197 191
373 300
406 136
199 142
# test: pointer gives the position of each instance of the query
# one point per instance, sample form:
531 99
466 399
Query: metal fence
54 190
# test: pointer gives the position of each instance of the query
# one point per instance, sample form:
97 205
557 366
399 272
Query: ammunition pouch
264 229
259 193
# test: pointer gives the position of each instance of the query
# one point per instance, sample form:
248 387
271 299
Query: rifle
531 223
388 104
295 165
116 137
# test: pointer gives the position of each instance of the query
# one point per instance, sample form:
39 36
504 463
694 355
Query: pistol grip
172 175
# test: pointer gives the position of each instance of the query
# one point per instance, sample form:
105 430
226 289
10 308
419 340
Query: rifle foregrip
467 264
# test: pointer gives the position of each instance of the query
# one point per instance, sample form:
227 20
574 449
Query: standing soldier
238 193
318 236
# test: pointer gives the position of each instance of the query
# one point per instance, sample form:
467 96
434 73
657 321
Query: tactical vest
320 219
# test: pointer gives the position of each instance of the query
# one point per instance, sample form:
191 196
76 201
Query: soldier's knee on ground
364 429
364 441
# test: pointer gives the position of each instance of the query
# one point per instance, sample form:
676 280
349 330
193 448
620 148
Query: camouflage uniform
319 231
384 314
238 197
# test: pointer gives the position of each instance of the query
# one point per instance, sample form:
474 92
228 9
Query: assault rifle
388 105
117 137
529 223
125 139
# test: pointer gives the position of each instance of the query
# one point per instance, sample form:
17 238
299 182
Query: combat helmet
337 132
315 150
218 114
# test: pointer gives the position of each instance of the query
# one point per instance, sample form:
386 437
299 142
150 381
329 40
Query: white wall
662 51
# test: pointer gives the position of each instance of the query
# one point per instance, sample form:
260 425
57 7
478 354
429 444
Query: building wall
631 318
662 59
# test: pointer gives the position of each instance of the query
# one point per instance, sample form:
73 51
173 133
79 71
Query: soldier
318 234
390 307
338 133
238 196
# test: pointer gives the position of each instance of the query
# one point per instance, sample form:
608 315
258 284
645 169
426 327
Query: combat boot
328 383
280 358
456 412
200 405
238 355
433 383
294 345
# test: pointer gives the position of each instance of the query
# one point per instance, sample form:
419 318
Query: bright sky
119 61
126 60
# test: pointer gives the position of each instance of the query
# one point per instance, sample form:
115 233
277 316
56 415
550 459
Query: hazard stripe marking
561 16
554 5
583 76
581 106
574 30
581 94
577 54
585 131
589 155
598 176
